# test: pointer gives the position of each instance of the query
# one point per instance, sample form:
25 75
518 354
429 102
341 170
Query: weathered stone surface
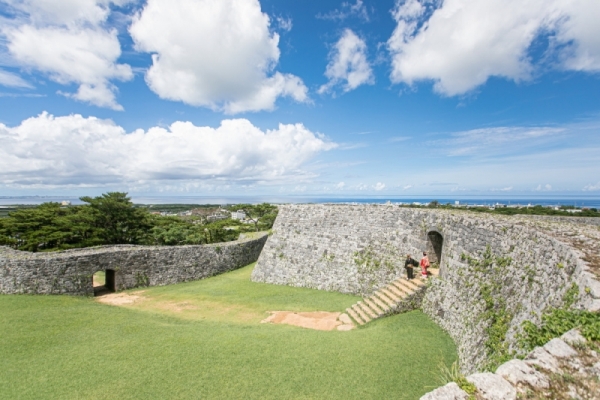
572 377
71 271
594 288
596 369
345 319
559 349
518 372
573 337
359 249
451 391
492 386
543 359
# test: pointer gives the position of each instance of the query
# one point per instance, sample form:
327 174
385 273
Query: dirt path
319 320
120 299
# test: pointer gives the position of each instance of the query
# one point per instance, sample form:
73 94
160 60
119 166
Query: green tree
434 204
115 219
44 227
263 214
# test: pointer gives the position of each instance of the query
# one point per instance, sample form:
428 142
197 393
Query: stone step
380 303
384 298
403 288
354 316
367 309
395 298
409 284
399 293
362 314
374 307
418 282
434 271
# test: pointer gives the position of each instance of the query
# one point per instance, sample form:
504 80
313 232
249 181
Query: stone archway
435 244
104 284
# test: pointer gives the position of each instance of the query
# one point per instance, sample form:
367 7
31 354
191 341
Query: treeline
533 210
176 208
538 210
113 219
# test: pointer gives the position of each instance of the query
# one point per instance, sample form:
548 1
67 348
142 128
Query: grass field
214 348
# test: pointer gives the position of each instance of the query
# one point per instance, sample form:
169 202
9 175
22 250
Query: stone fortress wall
514 263
71 271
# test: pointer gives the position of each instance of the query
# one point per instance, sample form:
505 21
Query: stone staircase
386 300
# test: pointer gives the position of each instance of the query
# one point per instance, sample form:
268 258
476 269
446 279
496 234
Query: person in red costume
424 265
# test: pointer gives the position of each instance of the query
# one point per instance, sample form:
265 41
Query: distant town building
218 215
65 203
239 214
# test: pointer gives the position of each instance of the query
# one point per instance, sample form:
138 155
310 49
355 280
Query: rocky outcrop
564 368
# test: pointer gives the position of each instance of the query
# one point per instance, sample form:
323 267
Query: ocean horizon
564 200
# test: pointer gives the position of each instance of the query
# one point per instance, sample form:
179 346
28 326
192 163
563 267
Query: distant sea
578 201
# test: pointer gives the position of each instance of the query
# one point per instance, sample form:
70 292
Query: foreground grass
66 347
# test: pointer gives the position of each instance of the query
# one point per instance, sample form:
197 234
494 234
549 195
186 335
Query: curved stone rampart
513 263
71 271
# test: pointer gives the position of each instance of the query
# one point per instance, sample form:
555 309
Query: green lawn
66 347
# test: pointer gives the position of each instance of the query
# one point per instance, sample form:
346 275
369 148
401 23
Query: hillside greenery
113 219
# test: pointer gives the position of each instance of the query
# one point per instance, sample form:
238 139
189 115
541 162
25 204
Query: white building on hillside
239 214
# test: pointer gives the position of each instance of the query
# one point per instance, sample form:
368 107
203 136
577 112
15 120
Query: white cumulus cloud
65 12
48 151
348 65
460 44
68 41
213 53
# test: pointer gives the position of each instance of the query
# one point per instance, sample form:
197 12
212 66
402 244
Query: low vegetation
113 219
557 321
66 347
498 317
524 210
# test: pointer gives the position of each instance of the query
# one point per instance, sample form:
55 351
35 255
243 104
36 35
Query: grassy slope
66 347
232 297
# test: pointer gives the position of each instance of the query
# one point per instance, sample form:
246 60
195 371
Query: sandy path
319 320
120 299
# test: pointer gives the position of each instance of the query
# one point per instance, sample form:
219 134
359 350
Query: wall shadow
106 287
435 244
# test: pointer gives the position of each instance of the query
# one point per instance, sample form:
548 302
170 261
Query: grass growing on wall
68 347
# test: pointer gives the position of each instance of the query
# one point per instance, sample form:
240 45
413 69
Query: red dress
424 265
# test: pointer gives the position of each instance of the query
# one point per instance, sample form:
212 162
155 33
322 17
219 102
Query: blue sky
241 97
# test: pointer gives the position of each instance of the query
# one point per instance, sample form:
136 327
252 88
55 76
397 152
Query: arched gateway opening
435 243
104 282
